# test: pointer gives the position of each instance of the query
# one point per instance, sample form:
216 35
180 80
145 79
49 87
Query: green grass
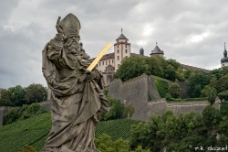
116 128
34 131
187 99
162 86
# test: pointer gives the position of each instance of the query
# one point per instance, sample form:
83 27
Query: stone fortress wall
136 91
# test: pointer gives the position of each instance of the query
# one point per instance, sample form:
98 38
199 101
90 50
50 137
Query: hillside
34 131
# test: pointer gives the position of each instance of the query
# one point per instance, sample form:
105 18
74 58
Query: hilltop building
110 62
224 60
157 51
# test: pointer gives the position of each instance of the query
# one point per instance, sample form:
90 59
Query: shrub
224 108
24 112
105 143
223 95
10 116
27 149
174 90
116 111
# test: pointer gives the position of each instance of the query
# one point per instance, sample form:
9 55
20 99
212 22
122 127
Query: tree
5 98
131 67
17 95
35 93
174 90
196 83
105 144
211 116
223 83
218 73
155 65
116 112
212 94
169 72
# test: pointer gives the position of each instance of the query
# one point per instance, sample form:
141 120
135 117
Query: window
117 46
103 62
117 57
117 51
106 62
125 46
125 51
118 65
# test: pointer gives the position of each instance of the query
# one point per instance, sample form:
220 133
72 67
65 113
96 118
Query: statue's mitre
71 25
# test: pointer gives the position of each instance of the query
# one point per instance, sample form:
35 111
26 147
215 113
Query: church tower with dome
224 60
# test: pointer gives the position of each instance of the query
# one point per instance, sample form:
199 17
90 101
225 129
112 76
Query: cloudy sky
192 32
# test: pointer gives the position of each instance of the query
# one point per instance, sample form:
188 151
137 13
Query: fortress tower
122 49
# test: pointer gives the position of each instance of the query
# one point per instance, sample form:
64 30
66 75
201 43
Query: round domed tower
141 51
224 60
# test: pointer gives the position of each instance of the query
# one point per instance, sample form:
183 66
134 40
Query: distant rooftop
122 37
156 50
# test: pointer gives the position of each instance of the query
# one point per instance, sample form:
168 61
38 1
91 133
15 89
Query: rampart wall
136 91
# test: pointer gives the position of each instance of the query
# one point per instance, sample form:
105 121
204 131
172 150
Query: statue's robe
74 102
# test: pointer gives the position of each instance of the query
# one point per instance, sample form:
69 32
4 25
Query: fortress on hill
137 91
110 62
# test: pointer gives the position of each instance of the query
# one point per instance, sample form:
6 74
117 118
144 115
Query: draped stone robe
75 103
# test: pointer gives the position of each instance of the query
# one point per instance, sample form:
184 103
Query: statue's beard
72 47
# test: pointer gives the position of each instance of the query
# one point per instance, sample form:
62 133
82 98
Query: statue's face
72 45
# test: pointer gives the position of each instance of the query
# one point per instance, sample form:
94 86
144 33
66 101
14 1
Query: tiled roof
108 56
121 37
194 68
157 50
134 54
105 57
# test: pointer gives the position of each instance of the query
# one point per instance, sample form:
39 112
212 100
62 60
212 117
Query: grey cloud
173 24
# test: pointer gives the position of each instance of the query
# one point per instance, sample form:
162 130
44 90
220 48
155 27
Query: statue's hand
58 26
91 76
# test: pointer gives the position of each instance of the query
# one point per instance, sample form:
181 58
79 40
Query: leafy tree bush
10 116
218 73
223 83
24 112
35 93
139 149
131 67
224 108
211 117
27 149
196 83
174 90
5 98
155 65
116 111
223 95
181 133
17 95
170 73
212 94
105 143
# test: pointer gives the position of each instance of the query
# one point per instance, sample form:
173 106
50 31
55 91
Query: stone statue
76 93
